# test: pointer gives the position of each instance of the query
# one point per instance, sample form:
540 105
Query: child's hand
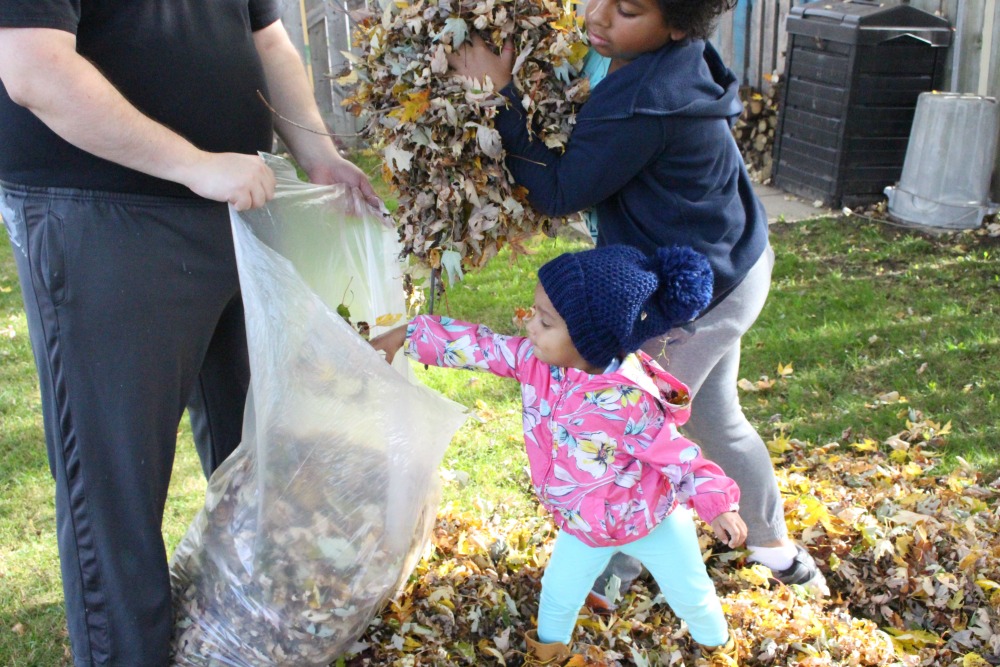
729 528
477 60
390 342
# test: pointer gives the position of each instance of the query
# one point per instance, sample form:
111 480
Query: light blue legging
671 554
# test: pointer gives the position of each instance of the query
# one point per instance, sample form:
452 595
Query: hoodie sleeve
441 341
600 157
698 483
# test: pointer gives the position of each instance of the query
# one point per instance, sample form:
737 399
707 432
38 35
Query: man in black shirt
126 127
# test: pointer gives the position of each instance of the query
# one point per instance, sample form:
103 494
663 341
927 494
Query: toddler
600 421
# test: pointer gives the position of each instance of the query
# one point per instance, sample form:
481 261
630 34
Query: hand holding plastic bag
323 510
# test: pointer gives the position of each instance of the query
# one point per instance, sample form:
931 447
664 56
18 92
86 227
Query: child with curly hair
600 421
653 156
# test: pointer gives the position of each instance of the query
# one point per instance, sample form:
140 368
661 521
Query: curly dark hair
696 18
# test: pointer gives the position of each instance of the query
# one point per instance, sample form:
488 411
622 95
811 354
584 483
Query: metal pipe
956 47
305 41
989 12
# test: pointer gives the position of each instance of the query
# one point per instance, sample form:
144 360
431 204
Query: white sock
776 558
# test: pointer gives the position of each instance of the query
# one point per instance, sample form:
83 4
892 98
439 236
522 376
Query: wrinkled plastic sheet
311 525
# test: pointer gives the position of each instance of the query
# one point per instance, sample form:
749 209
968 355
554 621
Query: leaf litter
912 558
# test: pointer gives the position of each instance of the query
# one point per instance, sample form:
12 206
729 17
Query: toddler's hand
390 342
729 528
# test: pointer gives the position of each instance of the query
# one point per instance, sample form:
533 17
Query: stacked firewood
754 130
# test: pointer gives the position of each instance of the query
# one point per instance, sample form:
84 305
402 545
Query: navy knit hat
615 298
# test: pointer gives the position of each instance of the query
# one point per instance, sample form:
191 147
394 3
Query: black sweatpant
134 313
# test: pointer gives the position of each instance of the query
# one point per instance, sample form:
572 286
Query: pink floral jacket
605 455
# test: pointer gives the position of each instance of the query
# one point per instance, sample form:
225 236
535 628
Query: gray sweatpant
705 355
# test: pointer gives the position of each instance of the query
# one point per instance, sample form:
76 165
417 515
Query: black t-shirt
189 64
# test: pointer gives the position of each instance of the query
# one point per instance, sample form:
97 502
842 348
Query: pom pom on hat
615 298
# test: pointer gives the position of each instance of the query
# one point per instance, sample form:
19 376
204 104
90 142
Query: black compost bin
853 73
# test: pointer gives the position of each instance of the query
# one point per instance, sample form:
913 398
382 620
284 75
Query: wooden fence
751 39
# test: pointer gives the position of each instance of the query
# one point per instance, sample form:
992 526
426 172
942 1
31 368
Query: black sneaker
803 572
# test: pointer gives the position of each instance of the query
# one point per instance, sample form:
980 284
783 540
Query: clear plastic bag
323 510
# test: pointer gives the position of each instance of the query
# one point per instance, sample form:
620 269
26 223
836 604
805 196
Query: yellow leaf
779 445
483 410
755 575
899 455
914 639
903 543
987 584
388 319
974 660
413 107
784 370
834 562
816 511
868 445
912 498
957 483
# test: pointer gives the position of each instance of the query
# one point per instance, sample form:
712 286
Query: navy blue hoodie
652 150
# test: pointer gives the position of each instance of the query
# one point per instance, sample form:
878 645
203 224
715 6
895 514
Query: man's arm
291 96
43 72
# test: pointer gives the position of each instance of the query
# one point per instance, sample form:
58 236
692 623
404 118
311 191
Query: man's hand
390 342
477 60
338 169
242 180
730 529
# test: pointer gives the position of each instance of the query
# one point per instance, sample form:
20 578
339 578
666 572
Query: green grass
858 309
861 310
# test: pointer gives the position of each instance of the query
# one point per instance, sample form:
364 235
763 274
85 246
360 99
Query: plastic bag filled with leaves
457 202
312 523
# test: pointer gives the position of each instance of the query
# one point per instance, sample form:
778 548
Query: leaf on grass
779 444
522 315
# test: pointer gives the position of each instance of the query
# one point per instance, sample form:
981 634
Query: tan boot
727 655
539 653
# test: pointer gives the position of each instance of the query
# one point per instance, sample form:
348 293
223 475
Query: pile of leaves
442 156
913 560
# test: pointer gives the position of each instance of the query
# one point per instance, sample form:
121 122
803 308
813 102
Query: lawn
869 331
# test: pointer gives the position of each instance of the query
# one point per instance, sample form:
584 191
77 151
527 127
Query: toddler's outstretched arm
390 342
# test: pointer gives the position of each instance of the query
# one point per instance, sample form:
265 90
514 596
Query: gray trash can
949 161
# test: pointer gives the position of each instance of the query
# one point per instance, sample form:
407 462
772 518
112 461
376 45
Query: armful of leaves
443 155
